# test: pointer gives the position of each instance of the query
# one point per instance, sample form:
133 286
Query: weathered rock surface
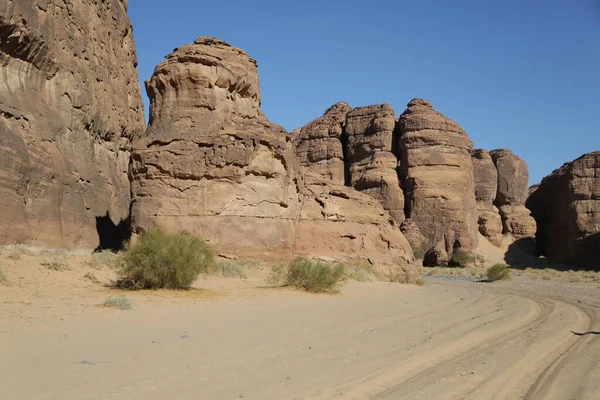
319 144
437 174
486 187
371 163
566 207
69 106
213 165
338 222
513 190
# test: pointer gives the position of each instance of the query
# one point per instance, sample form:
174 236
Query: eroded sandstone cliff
69 106
566 207
212 164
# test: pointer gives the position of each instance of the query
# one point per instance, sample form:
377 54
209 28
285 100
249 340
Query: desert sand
235 338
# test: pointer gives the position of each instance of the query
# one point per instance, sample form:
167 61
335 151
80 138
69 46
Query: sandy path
443 341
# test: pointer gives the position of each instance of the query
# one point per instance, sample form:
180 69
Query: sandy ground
234 339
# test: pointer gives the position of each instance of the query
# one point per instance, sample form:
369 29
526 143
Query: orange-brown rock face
566 207
319 147
371 163
486 188
213 165
69 106
513 189
437 173
354 147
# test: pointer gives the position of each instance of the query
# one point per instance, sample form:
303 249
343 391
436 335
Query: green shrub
120 303
312 276
461 258
229 269
160 260
498 272
57 263
361 272
104 258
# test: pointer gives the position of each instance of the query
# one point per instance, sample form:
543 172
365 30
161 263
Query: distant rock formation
566 207
513 183
354 147
319 145
437 175
486 188
69 107
371 163
212 164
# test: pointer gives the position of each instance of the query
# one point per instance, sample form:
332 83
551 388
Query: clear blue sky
521 74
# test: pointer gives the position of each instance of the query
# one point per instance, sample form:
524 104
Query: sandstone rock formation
371 163
319 144
213 164
354 147
486 187
339 222
566 207
437 174
69 106
513 189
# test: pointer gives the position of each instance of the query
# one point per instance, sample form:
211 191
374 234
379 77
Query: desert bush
498 272
161 260
91 277
361 272
310 275
104 258
229 269
15 254
57 263
461 258
120 303
2 275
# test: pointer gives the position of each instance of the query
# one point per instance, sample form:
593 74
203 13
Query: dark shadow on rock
110 236
585 333
524 253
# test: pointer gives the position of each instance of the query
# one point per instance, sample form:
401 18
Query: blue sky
518 74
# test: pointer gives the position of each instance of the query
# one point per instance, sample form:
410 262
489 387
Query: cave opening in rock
347 177
110 236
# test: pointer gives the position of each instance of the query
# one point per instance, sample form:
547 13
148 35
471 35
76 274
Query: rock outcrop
437 174
69 106
319 144
338 222
513 189
354 147
371 163
212 164
566 207
486 187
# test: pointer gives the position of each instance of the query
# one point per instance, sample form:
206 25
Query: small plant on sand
229 269
57 263
2 275
120 303
361 272
461 258
498 272
15 254
91 277
310 275
103 258
161 260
